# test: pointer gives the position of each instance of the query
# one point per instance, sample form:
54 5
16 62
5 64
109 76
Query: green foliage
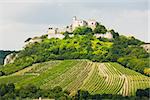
9 92
77 47
57 89
82 95
82 47
142 94
134 63
83 30
100 29
115 34
104 39
125 41
7 89
29 90
127 51
19 64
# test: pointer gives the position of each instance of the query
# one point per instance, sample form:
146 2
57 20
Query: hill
124 50
114 66
73 75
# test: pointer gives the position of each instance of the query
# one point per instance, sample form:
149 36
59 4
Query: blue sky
20 19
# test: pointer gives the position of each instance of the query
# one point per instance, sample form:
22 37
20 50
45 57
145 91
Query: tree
3 89
123 60
82 95
115 34
28 91
100 29
10 87
141 92
83 30
57 89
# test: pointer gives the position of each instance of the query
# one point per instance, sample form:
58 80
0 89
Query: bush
142 93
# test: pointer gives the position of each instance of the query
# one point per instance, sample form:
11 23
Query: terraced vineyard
72 75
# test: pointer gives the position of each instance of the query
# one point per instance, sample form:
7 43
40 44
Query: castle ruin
56 32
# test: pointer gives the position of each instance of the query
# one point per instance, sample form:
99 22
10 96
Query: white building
53 35
56 32
53 30
79 22
92 24
108 35
75 23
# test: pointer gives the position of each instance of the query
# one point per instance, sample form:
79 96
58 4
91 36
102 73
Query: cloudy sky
20 19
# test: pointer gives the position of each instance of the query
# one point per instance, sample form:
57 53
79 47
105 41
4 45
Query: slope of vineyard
72 75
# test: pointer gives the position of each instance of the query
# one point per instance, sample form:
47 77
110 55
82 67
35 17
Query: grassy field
72 75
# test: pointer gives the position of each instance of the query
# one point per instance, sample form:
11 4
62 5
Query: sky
21 19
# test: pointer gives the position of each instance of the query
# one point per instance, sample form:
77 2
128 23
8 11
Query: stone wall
108 35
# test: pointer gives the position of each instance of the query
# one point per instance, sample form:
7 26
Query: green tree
10 87
57 89
83 30
100 29
28 91
115 34
82 95
3 89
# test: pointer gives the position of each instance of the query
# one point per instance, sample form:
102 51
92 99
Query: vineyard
72 75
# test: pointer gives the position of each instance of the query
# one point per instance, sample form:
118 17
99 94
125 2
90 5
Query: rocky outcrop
10 58
146 46
30 41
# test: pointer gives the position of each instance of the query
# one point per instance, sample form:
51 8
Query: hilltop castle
56 32
75 23
78 23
